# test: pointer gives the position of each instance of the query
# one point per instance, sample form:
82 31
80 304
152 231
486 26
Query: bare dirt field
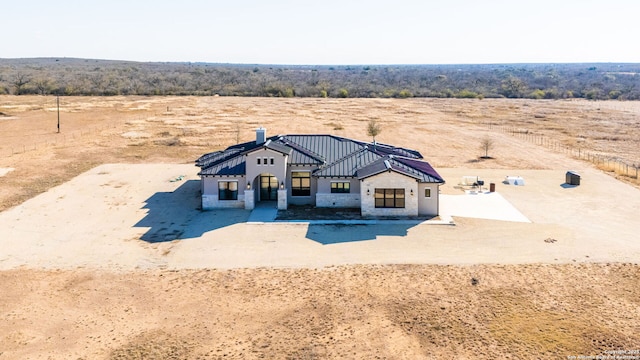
118 263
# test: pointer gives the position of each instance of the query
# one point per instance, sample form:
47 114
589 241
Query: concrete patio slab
490 206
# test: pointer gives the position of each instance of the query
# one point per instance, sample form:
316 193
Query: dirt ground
109 283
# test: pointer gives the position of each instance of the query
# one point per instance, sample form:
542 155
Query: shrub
403 94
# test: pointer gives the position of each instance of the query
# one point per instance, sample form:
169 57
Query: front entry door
268 188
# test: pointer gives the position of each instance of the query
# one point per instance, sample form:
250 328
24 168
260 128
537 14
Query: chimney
261 135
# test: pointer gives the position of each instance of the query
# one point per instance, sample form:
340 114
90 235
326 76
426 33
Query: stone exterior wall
389 180
209 188
282 199
338 200
249 199
210 202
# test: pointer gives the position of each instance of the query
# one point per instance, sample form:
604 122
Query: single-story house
320 170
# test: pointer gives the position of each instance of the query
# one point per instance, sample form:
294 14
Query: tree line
68 76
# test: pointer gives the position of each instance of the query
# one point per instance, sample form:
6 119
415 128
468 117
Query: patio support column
249 199
282 199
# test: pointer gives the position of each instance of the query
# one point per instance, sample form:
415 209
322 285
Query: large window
389 198
340 187
300 183
227 190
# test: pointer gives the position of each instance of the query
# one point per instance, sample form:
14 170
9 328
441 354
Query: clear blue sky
324 32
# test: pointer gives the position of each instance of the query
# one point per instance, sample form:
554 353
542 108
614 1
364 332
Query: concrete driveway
123 216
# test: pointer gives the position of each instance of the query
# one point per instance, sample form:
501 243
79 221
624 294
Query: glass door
268 188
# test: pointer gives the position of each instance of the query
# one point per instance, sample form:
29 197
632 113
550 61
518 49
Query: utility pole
58 103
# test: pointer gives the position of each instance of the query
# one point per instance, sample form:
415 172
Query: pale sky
324 32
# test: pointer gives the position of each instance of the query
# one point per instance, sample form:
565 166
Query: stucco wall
389 180
428 206
210 192
324 184
210 184
301 200
278 169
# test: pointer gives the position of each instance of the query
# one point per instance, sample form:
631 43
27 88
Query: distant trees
105 78
19 82
513 87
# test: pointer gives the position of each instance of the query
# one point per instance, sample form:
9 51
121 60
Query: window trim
427 190
337 188
297 189
230 195
392 198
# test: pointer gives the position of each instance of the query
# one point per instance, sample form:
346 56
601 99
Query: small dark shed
573 178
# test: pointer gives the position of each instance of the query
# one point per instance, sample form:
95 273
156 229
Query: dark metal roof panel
206 158
328 147
374 168
234 166
417 169
302 155
428 173
349 165
213 158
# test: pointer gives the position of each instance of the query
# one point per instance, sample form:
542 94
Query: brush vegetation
67 76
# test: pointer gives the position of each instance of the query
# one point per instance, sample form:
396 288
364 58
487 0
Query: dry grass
526 311
140 129
621 171
401 311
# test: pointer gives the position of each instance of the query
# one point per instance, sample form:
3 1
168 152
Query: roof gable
417 169
271 145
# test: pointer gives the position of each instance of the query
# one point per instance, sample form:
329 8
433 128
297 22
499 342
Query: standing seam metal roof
349 165
343 157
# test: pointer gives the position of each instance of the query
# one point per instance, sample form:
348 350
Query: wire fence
55 139
603 162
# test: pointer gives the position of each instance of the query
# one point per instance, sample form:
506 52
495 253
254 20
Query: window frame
225 193
340 190
389 198
427 193
297 183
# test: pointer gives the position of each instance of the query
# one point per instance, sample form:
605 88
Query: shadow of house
326 234
177 215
